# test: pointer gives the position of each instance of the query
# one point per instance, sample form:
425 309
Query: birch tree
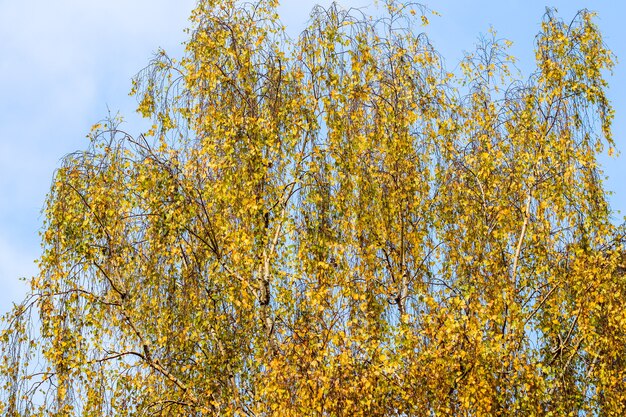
334 225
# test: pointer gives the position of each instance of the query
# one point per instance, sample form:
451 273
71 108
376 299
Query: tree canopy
334 225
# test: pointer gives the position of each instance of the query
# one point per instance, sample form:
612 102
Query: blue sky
64 62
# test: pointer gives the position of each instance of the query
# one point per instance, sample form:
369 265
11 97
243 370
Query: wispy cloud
61 64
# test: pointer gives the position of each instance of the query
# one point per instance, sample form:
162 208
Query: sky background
64 64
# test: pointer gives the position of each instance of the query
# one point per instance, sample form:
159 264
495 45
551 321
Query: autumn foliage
334 225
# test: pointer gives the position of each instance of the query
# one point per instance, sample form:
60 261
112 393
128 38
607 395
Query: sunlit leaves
334 225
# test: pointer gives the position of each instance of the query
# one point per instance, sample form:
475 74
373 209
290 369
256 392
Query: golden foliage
334 226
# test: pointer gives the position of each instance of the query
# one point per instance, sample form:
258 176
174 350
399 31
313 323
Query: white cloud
61 63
